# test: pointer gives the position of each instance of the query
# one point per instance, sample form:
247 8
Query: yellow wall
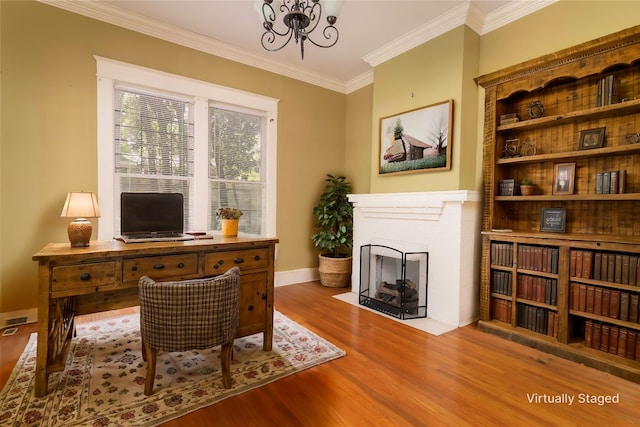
358 139
429 74
48 116
48 133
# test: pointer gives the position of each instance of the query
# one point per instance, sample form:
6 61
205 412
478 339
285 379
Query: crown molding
359 82
112 15
428 31
512 11
467 13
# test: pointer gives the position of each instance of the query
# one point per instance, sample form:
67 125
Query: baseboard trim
290 277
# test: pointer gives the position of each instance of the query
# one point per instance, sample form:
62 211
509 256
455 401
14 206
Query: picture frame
564 178
417 140
592 138
553 220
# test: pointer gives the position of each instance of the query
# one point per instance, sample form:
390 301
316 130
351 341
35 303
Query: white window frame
111 72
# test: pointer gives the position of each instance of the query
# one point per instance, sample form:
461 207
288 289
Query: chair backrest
189 314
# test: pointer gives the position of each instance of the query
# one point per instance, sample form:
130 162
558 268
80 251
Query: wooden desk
104 276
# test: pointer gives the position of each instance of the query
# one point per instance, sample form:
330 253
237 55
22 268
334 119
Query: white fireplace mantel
444 223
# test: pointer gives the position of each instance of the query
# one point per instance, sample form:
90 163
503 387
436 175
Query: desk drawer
167 267
249 259
87 276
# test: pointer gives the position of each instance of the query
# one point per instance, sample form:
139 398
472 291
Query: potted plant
229 218
334 232
527 187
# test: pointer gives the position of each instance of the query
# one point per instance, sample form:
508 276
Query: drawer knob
134 268
85 276
181 265
158 267
216 266
238 260
250 308
264 297
257 258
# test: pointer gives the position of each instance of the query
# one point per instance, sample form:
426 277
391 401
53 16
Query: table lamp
80 205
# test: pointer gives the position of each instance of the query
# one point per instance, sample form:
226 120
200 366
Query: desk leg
43 332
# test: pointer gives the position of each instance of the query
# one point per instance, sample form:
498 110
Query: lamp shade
80 204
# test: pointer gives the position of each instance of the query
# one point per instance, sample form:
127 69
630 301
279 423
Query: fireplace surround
444 224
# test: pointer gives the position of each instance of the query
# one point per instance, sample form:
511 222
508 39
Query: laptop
152 217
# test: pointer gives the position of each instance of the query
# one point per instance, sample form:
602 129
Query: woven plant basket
335 272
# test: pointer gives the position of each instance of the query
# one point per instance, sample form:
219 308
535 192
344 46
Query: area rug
103 381
430 326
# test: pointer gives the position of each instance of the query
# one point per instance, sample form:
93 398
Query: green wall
48 133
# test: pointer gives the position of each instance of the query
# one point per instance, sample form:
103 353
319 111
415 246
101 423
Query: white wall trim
292 277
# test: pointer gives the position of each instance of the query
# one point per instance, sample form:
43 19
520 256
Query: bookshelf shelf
525 296
626 107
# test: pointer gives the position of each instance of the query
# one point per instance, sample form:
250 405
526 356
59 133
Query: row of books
502 254
501 310
612 339
608 91
538 258
539 289
605 302
501 282
611 182
537 319
607 266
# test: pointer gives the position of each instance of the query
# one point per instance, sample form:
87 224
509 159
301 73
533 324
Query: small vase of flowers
229 218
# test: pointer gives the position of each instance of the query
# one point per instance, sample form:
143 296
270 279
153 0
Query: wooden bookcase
532 289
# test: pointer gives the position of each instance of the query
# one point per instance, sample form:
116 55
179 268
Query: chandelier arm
314 12
270 39
269 16
329 32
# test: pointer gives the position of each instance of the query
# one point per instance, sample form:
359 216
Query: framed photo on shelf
417 140
553 219
592 138
564 178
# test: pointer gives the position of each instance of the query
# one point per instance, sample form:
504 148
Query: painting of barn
417 140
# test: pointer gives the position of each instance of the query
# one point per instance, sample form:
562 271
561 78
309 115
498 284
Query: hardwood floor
394 375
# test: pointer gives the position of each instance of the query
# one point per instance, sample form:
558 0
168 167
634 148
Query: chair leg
225 358
151 368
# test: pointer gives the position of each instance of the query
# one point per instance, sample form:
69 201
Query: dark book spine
588 333
614 306
633 307
597 301
622 342
597 335
632 336
587 264
613 339
597 265
624 305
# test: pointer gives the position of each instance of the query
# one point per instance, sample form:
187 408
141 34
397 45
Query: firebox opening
394 282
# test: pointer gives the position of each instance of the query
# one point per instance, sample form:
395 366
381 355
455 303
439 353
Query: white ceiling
371 31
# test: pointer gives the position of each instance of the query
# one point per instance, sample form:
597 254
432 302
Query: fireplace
394 282
444 224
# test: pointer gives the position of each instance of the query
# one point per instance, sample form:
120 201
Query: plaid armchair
189 315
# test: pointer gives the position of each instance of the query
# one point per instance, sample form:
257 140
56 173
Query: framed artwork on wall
416 140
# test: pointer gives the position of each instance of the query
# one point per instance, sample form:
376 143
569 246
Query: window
214 145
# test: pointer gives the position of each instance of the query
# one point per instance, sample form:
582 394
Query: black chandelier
300 20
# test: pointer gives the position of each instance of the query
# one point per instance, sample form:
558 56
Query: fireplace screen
394 282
